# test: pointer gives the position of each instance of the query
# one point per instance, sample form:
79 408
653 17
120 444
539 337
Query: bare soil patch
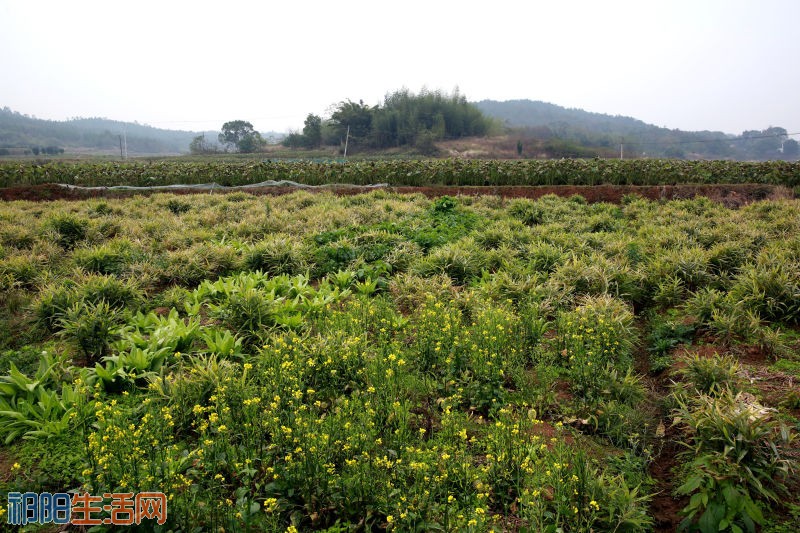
664 508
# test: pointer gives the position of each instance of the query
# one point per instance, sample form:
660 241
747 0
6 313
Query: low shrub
68 229
52 304
461 261
109 258
710 375
598 334
738 453
277 254
115 292
664 337
770 288
92 327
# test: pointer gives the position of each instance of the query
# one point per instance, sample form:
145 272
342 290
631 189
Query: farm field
415 173
387 361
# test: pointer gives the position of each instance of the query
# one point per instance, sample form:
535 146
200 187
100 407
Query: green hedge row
404 172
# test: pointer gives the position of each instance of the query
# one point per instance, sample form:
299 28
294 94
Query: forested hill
530 113
549 121
19 133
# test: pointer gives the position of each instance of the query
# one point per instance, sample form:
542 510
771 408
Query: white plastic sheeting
218 187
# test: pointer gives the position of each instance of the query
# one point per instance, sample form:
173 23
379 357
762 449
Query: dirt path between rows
729 195
664 507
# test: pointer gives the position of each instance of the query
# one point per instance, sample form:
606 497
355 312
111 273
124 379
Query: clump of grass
770 288
703 302
21 269
191 266
109 258
115 292
543 257
68 229
92 327
669 292
725 258
277 254
528 212
710 375
409 290
737 453
596 275
462 261
664 337
403 255
177 207
53 301
17 237
101 209
732 323
57 298
688 264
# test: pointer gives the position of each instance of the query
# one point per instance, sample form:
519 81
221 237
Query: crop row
405 172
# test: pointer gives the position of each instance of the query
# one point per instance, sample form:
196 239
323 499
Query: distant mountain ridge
532 113
18 131
543 120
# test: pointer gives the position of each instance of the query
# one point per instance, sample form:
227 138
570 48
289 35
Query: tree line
542 130
403 119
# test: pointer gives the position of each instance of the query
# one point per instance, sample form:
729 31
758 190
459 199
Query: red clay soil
665 509
548 432
729 195
706 351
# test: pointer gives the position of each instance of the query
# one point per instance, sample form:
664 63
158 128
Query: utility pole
346 138
621 146
120 146
125 137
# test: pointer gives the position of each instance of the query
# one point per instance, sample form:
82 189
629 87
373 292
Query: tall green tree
312 131
200 145
241 135
791 149
355 116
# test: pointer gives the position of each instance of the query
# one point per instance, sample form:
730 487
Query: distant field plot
388 361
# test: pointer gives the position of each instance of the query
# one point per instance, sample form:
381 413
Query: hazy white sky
723 65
